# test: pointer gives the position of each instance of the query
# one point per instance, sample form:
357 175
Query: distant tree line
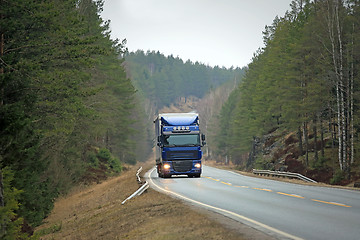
164 80
65 103
306 81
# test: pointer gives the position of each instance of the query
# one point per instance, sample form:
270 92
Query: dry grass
97 213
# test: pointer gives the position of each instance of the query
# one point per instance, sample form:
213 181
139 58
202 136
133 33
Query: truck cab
179 143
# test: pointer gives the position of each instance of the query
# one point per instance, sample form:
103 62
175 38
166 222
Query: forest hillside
301 92
164 80
67 109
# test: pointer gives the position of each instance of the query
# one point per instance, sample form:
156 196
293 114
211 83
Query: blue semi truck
179 143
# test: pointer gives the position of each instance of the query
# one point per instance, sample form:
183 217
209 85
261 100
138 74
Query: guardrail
283 174
137 175
141 189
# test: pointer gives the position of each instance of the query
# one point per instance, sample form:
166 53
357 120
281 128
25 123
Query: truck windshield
182 140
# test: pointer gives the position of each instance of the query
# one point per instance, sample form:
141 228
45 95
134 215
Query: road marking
332 203
217 180
277 231
263 189
229 184
281 193
290 195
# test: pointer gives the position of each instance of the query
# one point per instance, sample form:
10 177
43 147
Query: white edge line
224 211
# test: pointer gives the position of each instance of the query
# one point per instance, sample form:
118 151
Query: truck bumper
183 167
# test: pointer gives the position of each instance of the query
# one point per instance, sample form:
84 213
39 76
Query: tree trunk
315 139
333 24
2 43
301 148
322 138
340 144
2 201
352 98
348 123
306 138
2 204
252 154
107 140
342 86
343 128
332 129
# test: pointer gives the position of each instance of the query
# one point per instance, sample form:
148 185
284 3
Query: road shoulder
96 213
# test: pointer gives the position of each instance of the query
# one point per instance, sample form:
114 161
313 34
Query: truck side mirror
159 141
203 143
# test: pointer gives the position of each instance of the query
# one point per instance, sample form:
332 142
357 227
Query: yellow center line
290 195
227 212
217 180
229 184
281 193
263 189
332 203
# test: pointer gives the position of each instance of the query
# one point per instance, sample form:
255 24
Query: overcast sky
214 32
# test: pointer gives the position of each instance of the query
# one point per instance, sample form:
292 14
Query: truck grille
177 155
182 166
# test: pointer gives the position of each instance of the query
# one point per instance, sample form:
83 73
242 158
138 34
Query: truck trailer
179 142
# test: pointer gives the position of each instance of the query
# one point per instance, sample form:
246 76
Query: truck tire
197 175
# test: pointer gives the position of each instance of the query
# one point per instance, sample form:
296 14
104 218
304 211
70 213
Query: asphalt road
280 209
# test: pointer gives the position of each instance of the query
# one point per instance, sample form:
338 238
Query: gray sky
214 32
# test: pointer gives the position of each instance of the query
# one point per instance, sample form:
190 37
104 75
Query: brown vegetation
291 139
96 213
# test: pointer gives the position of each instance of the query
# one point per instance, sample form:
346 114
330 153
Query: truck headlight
197 165
166 166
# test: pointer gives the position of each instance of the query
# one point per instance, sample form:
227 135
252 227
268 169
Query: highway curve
280 209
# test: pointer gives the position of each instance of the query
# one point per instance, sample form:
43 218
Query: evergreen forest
304 84
66 106
164 80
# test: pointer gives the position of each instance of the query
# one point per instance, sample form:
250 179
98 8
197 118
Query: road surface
280 209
